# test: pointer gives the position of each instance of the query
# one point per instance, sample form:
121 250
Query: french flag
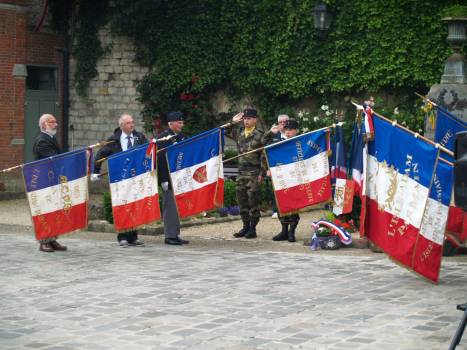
402 206
300 171
57 192
338 158
196 172
447 126
133 188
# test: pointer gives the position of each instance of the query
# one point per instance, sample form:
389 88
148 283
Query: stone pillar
451 93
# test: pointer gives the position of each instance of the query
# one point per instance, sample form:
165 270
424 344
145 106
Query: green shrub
230 198
108 208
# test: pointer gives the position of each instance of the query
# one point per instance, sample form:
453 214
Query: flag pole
278 143
424 98
416 134
101 143
165 138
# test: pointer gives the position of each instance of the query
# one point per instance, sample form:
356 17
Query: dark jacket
45 146
162 170
115 147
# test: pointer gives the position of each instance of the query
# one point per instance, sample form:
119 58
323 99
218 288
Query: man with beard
46 145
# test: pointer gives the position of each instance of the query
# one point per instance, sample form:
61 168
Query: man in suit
169 209
46 145
123 138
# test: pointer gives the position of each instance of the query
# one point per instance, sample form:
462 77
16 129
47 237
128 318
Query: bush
108 208
230 199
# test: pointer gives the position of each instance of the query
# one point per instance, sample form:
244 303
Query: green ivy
268 50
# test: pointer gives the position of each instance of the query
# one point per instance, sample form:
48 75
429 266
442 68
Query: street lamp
321 18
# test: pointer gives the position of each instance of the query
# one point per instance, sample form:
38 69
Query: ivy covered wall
268 49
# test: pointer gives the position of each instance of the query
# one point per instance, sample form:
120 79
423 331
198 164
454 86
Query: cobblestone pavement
99 296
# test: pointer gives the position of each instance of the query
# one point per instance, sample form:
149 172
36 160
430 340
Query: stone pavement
99 296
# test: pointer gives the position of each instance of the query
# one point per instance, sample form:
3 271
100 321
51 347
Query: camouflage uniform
247 185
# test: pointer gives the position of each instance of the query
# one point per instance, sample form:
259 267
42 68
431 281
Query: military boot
245 229
291 237
252 231
283 235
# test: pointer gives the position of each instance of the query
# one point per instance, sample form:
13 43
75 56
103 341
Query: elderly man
123 138
279 135
169 208
46 145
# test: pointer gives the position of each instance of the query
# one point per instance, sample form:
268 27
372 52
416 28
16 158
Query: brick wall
18 46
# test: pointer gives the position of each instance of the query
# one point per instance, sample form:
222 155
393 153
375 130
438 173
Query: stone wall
110 94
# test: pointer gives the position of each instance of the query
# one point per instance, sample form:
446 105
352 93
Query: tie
129 144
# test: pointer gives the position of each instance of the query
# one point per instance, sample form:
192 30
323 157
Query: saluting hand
237 118
275 128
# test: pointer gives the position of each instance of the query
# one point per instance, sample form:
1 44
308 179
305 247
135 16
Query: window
41 78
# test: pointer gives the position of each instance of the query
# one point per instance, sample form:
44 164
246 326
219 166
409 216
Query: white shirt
124 140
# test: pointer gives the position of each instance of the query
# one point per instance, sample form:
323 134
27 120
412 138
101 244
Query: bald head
48 124
126 123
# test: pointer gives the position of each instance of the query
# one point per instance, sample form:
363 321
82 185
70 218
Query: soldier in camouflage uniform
251 170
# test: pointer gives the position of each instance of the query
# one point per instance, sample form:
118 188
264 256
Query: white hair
43 120
123 117
283 116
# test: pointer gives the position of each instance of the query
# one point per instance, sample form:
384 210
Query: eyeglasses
283 122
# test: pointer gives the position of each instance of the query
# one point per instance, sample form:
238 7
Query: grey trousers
170 215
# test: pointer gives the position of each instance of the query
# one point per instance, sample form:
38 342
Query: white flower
315 119
305 119
305 129
396 110
404 123
328 113
300 114
420 131
324 107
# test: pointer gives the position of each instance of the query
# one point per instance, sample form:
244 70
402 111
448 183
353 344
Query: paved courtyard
99 296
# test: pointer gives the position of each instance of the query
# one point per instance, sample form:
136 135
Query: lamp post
455 68
321 18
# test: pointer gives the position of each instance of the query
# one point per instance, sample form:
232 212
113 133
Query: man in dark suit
46 145
169 209
123 138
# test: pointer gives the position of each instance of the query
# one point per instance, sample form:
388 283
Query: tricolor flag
358 153
338 157
429 246
447 125
343 196
300 171
196 172
446 128
133 188
57 191
400 175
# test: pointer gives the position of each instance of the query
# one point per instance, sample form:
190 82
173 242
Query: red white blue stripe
344 236
133 188
406 213
57 192
300 171
196 172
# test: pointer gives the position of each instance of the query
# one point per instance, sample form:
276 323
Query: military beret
250 113
174 116
291 124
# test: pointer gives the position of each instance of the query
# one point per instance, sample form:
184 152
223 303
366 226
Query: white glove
95 177
165 186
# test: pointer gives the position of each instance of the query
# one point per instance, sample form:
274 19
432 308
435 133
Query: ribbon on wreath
344 236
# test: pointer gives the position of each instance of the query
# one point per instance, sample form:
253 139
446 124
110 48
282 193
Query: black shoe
251 233
136 243
283 235
291 236
183 241
172 241
241 233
